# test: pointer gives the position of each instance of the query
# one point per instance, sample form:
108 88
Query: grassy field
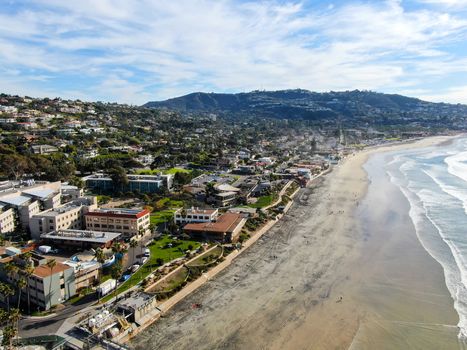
159 250
172 171
263 201
205 258
162 216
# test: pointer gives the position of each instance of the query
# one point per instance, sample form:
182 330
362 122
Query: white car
147 252
135 267
144 259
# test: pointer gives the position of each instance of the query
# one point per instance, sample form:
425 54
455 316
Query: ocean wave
457 165
455 272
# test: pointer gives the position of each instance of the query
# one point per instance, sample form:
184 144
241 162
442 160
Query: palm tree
21 284
116 273
100 257
14 317
28 271
51 264
118 248
133 245
7 291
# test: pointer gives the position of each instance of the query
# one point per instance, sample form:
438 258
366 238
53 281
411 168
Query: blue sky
141 50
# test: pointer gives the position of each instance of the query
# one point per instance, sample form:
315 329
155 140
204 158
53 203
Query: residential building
101 183
128 222
193 215
46 287
224 195
26 201
67 216
43 149
82 239
7 219
70 192
86 273
226 228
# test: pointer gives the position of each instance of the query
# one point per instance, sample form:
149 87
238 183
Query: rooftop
195 211
15 200
119 212
225 223
57 211
44 270
81 235
136 301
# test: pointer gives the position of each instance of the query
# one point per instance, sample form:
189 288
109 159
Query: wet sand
338 271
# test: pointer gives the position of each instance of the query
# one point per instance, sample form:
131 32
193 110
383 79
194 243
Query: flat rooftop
119 212
81 236
42 193
57 211
15 200
136 301
227 222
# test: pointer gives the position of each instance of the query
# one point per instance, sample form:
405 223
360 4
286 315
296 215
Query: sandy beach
343 269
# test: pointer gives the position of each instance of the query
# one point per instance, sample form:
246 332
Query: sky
146 50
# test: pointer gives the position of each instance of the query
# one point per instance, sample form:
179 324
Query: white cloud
140 50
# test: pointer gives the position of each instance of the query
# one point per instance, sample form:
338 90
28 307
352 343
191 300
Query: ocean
434 181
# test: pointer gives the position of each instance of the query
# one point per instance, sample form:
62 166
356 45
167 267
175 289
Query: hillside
305 104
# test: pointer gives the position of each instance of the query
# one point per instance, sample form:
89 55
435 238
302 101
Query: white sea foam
454 191
457 165
420 200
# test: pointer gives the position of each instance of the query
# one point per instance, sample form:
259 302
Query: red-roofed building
226 228
128 222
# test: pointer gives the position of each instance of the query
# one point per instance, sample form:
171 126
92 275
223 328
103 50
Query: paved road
31 327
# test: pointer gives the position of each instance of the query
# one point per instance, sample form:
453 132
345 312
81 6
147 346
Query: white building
128 222
68 216
193 215
7 219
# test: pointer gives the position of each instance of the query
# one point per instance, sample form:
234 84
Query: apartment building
80 239
128 222
226 228
26 201
47 287
101 183
67 216
193 215
7 219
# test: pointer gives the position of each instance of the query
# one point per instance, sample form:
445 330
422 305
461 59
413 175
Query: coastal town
111 214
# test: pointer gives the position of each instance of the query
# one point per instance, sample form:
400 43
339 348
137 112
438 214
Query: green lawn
172 171
158 250
162 216
263 201
169 203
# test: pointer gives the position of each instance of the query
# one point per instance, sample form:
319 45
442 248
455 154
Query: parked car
124 277
144 259
147 252
135 267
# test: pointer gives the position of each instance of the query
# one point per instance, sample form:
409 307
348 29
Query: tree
116 273
14 165
51 264
182 178
28 271
119 178
21 284
133 245
159 261
7 291
14 317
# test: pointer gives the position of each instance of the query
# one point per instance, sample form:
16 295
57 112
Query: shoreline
324 216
